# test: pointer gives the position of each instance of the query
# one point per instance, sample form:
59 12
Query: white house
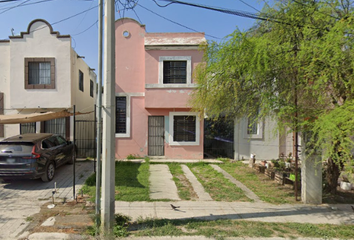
40 73
260 139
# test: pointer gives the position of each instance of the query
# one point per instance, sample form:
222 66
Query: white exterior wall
40 43
265 147
82 100
5 86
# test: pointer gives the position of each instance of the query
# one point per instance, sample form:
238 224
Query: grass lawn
185 189
219 188
266 189
132 184
220 229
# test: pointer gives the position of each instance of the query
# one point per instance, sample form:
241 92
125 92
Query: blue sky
83 28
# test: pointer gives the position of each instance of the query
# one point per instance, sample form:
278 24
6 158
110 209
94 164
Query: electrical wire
82 18
137 15
162 5
14 7
232 12
31 3
174 21
85 29
250 6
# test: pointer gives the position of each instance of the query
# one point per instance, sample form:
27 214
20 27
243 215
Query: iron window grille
121 114
184 128
174 72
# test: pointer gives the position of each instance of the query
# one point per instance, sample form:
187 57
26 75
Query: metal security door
156 136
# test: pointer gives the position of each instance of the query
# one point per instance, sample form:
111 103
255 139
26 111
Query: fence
85 138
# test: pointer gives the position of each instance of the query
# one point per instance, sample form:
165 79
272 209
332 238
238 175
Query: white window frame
197 130
188 59
259 134
128 110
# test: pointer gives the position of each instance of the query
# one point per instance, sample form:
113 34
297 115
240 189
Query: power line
85 29
250 6
229 11
22 5
14 6
179 24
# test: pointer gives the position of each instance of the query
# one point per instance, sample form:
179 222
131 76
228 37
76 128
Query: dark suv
34 155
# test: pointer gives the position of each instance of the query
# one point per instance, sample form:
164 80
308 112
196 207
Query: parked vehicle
34 155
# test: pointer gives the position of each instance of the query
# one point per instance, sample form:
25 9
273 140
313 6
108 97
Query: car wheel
49 172
72 158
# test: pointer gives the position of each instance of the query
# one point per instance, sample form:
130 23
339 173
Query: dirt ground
72 217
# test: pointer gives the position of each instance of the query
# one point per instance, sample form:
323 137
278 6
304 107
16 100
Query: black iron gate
85 138
156 136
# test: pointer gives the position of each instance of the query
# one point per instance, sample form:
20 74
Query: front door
156 146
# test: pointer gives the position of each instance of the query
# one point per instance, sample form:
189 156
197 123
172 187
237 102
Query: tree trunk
332 175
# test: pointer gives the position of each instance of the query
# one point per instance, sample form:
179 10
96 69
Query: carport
21 118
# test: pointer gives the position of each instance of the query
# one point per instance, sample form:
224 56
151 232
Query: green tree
297 67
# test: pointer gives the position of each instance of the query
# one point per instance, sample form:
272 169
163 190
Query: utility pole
99 113
108 114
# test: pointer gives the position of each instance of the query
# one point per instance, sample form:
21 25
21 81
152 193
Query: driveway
20 199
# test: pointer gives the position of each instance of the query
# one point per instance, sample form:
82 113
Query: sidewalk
205 208
261 212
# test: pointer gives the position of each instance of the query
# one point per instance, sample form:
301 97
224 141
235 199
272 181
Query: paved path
261 212
245 189
197 186
21 199
162 185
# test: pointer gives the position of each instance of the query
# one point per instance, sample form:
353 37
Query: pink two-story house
154 80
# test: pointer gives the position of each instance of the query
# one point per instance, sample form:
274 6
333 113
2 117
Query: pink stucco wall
130 56
136 67
152 62
167 98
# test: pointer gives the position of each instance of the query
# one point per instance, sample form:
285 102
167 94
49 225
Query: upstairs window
81 81
174 72
91 88
121 114
39 73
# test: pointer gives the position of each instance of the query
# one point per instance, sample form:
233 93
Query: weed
91 180
29 219
133 156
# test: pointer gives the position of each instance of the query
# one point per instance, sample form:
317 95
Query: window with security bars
56 126
121 114
81 81
27 128
174 72
184 128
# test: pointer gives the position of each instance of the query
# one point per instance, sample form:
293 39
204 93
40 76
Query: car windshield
16 148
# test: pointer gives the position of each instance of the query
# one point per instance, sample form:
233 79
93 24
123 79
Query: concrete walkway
260 212
162 185
246 190
197 186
